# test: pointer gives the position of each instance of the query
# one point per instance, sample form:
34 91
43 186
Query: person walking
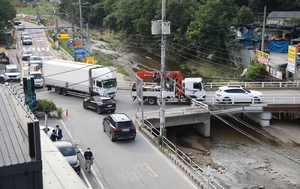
58 132
88 156
53 135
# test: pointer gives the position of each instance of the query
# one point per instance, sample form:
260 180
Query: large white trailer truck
79 79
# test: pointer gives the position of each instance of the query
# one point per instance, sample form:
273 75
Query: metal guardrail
210 86
211 183
266 85
266 100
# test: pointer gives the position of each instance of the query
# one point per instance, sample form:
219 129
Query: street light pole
163 69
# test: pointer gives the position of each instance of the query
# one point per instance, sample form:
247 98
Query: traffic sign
51 20
82 53
38 17
33 98
78 49
27 18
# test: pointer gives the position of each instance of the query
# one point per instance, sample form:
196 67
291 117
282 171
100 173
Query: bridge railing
266 85
211 183
126 85
266 100
176 111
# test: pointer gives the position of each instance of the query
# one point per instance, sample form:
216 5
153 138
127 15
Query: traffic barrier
67 112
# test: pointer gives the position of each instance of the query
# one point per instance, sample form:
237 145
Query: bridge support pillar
203 128
263 118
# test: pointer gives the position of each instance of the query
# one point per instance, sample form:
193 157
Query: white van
12 73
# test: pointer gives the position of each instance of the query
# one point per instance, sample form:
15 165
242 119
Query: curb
187 170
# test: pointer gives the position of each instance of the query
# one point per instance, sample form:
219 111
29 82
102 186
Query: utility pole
73 25
263 31
88 39
80 19
163 69
56 21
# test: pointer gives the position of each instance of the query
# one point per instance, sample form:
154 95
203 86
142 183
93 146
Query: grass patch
47 7
120 69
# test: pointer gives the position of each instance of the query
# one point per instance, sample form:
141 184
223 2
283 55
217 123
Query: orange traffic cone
67 113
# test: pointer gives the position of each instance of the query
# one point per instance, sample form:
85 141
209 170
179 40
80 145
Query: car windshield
35 58
67 150
12 70
27 52
109 83
37 76
125 124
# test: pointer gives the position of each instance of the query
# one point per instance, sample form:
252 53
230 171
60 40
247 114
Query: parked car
17 22
12 73
2 79
26 54
100 104
36 60
49 132
119 126
24 34
27 40
67 149
229 94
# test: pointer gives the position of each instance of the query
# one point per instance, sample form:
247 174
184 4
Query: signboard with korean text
262 57
79 51
275 73
292 52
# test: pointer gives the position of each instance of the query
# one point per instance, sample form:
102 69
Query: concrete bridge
199 115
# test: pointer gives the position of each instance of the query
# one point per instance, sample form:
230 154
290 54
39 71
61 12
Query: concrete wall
201 119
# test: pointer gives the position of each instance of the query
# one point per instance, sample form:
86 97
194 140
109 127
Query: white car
35 60
232 94
27 40
24 34
26 54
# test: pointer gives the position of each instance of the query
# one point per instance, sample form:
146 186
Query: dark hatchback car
119 126
2 79
67 149
100 104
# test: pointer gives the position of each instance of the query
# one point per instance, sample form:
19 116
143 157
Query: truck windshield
109 83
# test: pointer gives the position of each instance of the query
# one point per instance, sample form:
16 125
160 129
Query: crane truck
79 79
177 89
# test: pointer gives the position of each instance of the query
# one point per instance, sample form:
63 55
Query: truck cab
194 88
12 73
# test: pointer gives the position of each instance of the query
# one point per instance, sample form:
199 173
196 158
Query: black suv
70 154
119 126
100 104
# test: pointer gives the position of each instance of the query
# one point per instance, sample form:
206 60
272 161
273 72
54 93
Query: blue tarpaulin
279 46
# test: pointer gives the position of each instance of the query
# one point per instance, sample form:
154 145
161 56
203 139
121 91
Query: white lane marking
81 151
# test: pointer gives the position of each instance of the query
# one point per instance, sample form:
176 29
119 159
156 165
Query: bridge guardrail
211 183
266 100
126 85
266 85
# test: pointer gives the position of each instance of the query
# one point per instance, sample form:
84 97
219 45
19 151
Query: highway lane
121 164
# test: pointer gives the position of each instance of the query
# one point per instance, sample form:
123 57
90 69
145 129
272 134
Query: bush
44 105
59 112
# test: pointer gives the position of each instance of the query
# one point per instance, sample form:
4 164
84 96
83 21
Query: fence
194 167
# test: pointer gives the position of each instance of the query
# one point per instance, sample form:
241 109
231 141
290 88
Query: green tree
245 15
7 12
256 72
44 105
210 28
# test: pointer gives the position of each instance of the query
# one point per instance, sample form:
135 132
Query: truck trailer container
79 79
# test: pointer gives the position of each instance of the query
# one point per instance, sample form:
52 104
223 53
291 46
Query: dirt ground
248 165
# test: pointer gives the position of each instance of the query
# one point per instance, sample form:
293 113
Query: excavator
177 89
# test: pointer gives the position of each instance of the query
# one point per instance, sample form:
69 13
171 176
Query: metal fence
205 177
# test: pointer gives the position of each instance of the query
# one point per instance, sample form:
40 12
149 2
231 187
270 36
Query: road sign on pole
38 17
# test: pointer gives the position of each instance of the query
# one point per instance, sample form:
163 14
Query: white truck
79 79
177 90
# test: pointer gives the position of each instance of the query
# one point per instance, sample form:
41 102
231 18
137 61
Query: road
121 164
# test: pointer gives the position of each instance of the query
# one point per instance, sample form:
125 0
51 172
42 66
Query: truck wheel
151 101
58 90
64 92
